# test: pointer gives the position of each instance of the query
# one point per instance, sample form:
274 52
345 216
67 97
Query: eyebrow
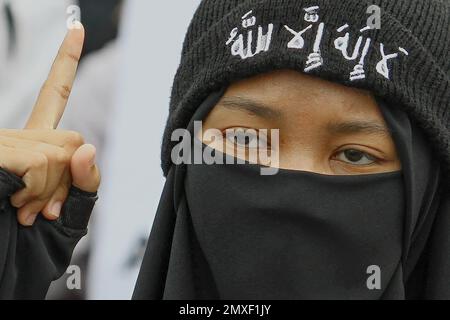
341 128
358 126
256 108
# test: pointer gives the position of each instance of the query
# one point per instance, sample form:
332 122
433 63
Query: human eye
356 157
245 138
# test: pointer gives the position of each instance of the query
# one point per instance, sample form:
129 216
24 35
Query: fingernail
56 209
29 221
75 25
17 204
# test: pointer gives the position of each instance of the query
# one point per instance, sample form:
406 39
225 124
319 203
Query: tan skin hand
50 160
326 128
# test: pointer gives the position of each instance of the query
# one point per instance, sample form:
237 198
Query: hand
49 160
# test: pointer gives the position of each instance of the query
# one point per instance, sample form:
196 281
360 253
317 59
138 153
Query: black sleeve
32 257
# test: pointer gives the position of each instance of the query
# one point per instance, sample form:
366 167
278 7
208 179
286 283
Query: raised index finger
55 92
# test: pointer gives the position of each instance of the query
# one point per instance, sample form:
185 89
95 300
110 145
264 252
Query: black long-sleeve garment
32 257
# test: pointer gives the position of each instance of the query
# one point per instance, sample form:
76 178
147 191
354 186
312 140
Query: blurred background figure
30 35
91 107
151 41
119 103
101 19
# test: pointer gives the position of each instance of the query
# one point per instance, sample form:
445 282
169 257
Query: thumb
85 173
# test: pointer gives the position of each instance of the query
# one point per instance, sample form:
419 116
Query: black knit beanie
405 62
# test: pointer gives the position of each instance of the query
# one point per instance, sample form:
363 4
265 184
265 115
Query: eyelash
374 159
245 130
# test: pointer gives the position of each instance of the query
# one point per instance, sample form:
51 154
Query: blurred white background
151 42
119 103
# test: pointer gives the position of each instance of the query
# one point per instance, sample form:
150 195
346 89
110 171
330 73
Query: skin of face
324 127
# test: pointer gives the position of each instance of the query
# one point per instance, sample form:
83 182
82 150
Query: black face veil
226 232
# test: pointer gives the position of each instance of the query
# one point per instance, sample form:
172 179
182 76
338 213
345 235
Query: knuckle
16 200
39 161
62 157
68 55
62 90
34 192
74 138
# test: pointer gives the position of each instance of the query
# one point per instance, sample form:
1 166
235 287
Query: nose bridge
302 158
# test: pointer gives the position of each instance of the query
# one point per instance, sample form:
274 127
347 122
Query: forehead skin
315 117
298 95
299 104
